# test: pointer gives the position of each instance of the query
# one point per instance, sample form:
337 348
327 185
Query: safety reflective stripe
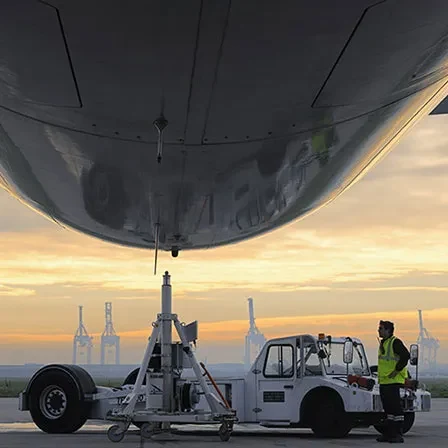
389 358
395 418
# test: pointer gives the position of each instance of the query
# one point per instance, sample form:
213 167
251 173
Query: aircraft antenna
157 236
160 124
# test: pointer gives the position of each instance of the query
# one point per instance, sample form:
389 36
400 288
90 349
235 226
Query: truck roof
334 339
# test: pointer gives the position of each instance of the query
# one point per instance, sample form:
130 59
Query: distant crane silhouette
428 346
254 337
82 339
109 338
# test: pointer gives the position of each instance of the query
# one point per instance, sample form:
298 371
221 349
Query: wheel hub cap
53 402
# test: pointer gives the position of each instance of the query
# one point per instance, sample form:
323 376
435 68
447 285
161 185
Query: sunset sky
378 251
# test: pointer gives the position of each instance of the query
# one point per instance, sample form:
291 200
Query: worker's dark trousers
390 397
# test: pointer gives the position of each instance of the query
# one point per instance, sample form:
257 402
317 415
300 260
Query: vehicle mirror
322 354
348 352
413 361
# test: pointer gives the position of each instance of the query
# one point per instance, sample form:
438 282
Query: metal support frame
166 341
162 331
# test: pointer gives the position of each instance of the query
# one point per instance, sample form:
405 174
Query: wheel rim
53 402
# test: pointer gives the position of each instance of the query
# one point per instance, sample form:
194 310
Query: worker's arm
401 350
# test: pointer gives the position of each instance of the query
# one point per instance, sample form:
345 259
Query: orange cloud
16 292
364 324
366 257
29 338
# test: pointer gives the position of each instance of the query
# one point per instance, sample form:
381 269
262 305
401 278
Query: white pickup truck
302 381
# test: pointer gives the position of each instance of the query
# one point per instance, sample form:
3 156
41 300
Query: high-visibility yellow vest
387 362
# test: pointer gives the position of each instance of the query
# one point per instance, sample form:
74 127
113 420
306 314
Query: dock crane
109 337
428 346
82 340
254 337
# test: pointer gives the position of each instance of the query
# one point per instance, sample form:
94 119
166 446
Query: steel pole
166 341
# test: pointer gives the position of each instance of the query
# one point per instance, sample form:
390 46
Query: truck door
275 383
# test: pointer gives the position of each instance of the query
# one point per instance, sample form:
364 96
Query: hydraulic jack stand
179 397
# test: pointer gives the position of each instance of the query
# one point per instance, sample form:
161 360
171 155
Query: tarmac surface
17 430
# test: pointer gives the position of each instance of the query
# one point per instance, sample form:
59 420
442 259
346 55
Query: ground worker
393 357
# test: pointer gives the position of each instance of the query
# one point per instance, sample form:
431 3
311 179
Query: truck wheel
56 403
115 434
409 418
329 419
224 432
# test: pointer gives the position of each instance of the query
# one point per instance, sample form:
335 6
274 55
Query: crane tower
428 346
254 337
82 340
109 338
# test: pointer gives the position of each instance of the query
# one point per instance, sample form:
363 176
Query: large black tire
57 401
328 418
409 419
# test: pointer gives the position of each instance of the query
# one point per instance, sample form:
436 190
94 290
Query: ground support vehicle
301 381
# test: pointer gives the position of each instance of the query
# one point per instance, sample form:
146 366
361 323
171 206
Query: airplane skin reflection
272 111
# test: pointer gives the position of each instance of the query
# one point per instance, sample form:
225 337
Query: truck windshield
334 362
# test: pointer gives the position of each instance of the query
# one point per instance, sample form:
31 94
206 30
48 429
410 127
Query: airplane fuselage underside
272 109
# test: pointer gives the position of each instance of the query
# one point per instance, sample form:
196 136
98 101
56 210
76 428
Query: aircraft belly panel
273 62
201 198
387 63
247 147
34 61
132 61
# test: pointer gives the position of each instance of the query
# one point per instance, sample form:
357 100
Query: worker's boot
386 434
397 436
383 438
